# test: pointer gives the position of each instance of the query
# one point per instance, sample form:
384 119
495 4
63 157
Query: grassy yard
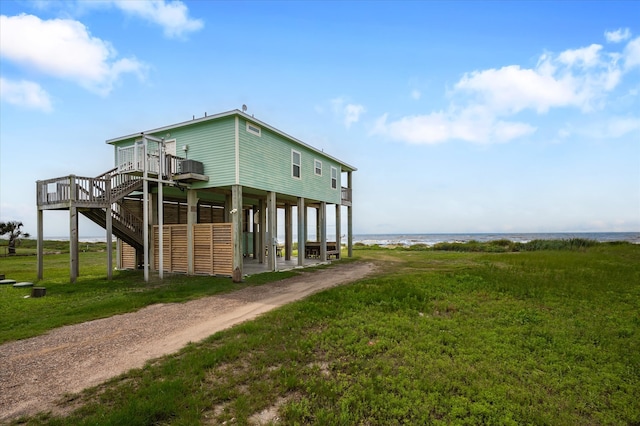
535 337
92 296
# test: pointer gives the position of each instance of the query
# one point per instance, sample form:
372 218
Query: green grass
93 296
28 247
436 337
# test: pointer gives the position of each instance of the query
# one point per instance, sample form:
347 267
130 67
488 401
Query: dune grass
545 337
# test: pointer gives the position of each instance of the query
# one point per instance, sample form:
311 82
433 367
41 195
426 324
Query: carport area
253 266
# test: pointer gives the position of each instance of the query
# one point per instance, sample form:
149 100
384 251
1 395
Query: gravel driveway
37 372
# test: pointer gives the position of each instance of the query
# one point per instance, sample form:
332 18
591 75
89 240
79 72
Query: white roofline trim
228 114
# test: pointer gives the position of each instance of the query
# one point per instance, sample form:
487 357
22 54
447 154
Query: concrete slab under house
202 197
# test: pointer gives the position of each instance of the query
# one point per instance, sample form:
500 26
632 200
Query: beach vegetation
505 246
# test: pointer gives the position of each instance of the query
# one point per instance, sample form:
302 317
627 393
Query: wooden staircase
125 224
92 197
121 185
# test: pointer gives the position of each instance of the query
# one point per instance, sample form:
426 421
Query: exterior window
334 178
317 166
295 164
252 128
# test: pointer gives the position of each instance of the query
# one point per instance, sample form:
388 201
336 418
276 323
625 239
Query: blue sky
460 116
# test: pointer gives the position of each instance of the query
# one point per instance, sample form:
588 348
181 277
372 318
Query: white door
171 166
170 147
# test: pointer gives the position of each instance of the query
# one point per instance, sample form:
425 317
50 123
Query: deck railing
131 160
346 196
88 191
79 189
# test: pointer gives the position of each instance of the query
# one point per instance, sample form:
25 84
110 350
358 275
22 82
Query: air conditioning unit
191 166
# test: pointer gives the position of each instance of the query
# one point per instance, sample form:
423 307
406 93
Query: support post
350 217
73 230
288 231
322 229
273 231
161 164
262 240
109 239
192 219
246 227
306 217
145 210
236 219
153 221
160 228
119 254
109 229
338 230
73 243
317 211
302 230
40 244
256 230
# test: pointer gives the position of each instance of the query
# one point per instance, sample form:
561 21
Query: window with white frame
295 163
317 167
334 178
252 128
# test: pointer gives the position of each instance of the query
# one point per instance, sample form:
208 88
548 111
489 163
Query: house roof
346 166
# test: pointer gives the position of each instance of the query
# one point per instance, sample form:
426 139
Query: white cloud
631 54
349 113
511 89
416 94
352 113
440 127
586 56
173 16
483 101
575 77
621 34
25 93
614 128
65 49
610 128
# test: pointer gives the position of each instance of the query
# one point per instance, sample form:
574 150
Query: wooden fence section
127 256
213 248
174 247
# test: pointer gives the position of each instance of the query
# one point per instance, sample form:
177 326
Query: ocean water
431 239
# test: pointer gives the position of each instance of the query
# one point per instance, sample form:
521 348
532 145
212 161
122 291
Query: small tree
15 233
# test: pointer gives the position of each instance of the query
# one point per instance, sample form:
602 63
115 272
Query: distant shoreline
435 238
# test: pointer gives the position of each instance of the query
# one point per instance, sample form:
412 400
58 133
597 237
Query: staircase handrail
128 219
121 184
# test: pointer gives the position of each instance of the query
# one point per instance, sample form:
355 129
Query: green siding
211 143
265 160
265 163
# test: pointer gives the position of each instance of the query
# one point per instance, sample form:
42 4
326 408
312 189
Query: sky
459 116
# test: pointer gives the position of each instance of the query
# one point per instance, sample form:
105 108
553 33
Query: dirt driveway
37 372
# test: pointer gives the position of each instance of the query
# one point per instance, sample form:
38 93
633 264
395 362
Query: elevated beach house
202 197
